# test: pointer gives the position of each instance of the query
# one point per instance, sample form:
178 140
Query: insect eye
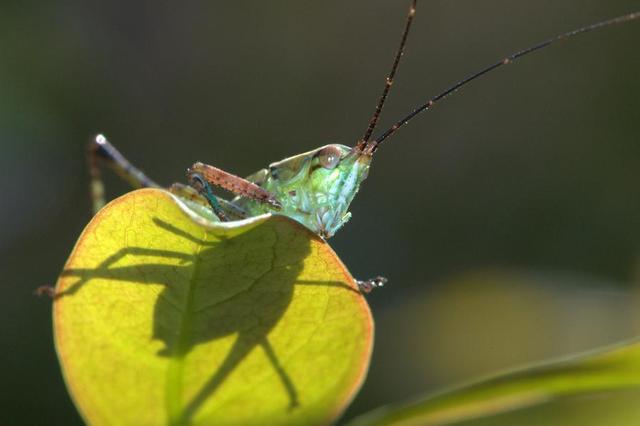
329 157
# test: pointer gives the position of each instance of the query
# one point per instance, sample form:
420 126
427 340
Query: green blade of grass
559 392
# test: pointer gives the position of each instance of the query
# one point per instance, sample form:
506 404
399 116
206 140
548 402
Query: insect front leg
203 177
101 151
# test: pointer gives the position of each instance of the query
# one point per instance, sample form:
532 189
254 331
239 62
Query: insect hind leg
100 151
232 183
204 177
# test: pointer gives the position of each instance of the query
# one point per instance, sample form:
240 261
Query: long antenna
389 80
373 145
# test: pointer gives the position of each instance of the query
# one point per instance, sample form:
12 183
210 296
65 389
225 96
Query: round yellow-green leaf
162 317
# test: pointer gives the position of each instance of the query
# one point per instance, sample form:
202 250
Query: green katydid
314 188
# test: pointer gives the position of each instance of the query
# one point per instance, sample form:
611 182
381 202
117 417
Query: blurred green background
507 219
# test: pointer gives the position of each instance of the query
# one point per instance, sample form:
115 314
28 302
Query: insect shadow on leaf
199 303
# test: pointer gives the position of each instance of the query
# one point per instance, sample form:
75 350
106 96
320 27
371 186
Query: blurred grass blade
164 318
599 388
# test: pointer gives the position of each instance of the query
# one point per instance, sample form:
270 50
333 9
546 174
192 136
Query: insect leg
204 188
101 151
233 183
190 193
47 290
367 286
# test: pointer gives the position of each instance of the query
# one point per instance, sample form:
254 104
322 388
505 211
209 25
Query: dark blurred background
507 219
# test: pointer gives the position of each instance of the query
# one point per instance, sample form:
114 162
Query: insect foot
367 286
45 290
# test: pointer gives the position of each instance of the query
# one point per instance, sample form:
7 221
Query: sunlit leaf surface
161 319
594 389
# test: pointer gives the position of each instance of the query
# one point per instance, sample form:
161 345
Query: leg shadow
210 305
